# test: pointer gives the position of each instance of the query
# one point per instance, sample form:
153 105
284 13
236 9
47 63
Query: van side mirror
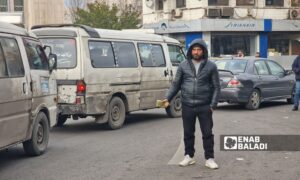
52 61
52 58
47 50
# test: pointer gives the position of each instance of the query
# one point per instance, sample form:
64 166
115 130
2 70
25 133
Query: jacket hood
201 43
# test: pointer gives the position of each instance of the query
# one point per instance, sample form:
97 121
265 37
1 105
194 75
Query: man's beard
197 58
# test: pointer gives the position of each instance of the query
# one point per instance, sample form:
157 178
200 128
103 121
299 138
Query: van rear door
68 70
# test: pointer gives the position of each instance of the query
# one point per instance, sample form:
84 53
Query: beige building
27 13
43 12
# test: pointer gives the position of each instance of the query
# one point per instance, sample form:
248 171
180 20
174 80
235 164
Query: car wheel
291 100
38 143
174 110
117 113
254 100
61 119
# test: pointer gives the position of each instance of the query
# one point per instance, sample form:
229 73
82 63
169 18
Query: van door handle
166 73
24 87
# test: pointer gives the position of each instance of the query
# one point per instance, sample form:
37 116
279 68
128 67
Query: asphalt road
150 145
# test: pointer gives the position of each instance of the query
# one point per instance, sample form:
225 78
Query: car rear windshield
235 66
65 49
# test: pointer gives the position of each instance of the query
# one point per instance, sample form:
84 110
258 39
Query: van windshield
65 49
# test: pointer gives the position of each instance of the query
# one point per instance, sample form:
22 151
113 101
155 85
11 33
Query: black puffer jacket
200 89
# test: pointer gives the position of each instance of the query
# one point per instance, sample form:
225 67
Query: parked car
251 81
27 91
107 73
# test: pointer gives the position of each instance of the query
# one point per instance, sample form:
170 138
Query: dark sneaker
295 108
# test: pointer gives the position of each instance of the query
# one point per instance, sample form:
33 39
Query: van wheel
38 143
117 113
174 110
254 100
61 119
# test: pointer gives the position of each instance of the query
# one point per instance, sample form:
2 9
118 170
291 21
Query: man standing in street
296 69
198 80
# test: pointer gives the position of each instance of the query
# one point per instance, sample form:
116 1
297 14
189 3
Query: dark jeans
204 114
297 94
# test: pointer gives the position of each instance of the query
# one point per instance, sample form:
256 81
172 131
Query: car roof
239 58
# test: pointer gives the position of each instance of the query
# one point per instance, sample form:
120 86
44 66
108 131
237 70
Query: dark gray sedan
252 81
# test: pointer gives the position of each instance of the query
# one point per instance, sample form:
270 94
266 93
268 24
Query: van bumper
72 109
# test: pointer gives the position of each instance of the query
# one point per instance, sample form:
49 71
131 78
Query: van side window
3 69
13 57
102 55
151 55
125 54
176 54
36 55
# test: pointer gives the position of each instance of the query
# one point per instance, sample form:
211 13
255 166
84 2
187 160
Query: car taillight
81 87
234 83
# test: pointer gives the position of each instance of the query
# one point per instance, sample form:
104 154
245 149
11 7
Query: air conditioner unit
176 13
295 13
149 3
213 12
227 12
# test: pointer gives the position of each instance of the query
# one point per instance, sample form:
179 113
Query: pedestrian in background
296 69
198 80
257 54
240 53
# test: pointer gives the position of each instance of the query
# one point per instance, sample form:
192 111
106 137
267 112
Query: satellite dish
149 3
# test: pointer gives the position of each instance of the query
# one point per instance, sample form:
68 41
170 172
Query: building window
278 45
295 3
274 2
180 3
3 6
18 5
160 4
223 45
245 2
218 2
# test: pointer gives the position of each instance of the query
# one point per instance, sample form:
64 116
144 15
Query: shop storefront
227 36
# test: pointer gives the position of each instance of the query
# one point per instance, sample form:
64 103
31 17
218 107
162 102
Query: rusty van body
27 91
109 73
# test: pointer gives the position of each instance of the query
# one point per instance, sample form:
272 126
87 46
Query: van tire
174 110
117 113
61 119
38 143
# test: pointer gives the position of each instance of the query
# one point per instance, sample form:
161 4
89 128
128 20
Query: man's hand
165 103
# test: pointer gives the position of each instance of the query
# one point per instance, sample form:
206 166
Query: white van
27 92
108 73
